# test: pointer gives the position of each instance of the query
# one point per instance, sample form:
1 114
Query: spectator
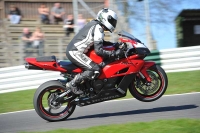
26 35
81 22
14 15
44 13
38 38
57 13
69 25
33 40
26 38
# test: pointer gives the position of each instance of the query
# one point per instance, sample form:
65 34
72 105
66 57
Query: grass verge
15 101
159 126
179 82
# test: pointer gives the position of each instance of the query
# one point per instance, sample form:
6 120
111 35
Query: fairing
133 42
133 63
52 66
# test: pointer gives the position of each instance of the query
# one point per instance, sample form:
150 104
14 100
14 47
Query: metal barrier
172 60
178 59
19 78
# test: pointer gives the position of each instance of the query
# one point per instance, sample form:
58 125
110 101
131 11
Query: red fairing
132 63
53 66
129 66
94 57
78 70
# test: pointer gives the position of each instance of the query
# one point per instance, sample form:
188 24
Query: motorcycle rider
91 36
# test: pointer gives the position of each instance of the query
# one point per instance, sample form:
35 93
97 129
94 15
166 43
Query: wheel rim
156 87
54 111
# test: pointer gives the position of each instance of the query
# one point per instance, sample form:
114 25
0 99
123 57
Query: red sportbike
145 80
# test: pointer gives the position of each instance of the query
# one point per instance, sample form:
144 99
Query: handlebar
123 46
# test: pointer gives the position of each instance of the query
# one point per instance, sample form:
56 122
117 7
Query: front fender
147 65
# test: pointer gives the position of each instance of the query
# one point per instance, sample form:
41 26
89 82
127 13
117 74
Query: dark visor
112 21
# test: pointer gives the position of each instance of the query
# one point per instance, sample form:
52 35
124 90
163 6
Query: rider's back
83 38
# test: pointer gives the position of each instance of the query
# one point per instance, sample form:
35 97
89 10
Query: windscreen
128 35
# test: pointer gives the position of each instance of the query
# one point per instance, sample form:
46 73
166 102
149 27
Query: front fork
143 72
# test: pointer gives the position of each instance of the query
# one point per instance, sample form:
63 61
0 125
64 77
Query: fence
29 8
172 60
178 59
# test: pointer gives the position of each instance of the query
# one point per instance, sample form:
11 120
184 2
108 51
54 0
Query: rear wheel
45 105
150 92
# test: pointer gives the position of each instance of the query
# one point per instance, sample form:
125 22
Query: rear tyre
149 93
44 105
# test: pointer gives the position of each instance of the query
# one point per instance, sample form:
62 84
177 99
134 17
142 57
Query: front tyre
147 93
44 102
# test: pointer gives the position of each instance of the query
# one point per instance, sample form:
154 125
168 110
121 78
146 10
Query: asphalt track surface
113 112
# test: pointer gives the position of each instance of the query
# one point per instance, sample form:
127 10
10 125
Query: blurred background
28 28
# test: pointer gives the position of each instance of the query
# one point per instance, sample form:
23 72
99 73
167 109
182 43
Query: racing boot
72 85
79 79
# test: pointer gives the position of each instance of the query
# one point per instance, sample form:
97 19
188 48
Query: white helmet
108 18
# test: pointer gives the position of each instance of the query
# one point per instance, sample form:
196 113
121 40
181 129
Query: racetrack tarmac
131 110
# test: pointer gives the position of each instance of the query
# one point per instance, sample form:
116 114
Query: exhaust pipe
30 66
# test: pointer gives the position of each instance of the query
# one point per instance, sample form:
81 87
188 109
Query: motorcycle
145 80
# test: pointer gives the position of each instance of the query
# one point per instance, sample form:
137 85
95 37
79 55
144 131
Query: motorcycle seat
46 59
69 66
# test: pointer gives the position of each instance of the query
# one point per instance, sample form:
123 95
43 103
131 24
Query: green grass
183 82
15 101
179 82
159 126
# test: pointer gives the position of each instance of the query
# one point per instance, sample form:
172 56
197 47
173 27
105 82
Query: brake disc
152 87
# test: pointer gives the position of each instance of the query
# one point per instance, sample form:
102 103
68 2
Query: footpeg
96 74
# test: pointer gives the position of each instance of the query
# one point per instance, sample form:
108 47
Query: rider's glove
117 45
119 53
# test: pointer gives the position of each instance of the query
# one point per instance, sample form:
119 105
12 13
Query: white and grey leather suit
91 36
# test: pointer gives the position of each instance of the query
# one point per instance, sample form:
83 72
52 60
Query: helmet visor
112 21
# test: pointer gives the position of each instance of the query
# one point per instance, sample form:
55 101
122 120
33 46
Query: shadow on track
140 111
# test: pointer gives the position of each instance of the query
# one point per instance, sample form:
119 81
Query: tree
161 11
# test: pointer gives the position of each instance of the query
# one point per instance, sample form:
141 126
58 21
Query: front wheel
44 102
153 91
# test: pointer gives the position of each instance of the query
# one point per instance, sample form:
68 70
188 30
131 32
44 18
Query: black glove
117 45
119 53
